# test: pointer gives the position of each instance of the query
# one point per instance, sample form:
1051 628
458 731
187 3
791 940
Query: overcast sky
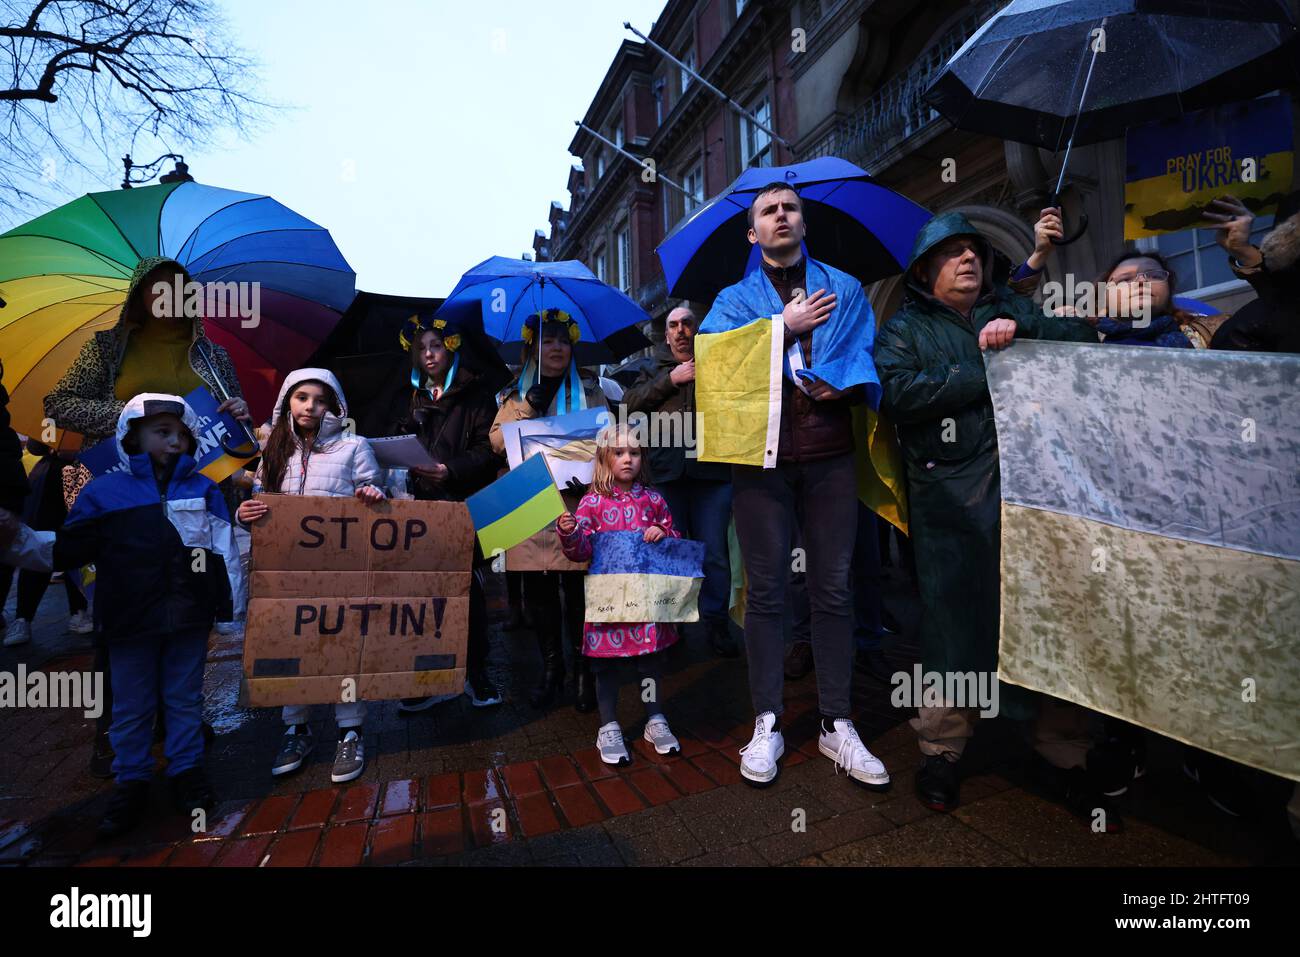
427 135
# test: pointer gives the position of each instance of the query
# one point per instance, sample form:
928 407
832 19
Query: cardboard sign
354 602
1176 167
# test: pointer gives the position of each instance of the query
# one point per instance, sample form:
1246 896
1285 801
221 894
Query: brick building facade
832 77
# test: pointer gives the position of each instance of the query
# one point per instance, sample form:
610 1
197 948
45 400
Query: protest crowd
739 493
162 535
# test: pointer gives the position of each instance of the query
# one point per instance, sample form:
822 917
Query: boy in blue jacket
160 536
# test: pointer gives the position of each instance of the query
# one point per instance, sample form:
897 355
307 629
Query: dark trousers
868 581
702 511
146 673
823 496
477 646
31 589
610 674
542 596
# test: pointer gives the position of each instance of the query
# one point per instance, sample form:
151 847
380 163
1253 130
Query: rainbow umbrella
64 276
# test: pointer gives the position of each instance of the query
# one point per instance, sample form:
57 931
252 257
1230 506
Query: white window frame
1200 248
602 264
684 78
754 142
693 180
623 246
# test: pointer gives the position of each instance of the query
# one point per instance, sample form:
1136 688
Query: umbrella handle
1078 233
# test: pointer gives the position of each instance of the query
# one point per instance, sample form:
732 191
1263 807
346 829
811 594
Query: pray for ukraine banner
632 580
1151 539
1177 166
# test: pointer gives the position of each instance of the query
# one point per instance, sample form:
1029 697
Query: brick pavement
509 785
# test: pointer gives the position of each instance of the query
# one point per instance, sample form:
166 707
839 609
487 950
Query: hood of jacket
135 290
937 230
153 403
331 425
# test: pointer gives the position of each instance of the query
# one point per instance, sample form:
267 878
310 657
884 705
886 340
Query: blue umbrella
505 292
854 224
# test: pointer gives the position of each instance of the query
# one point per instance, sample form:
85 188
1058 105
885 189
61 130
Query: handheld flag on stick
516 506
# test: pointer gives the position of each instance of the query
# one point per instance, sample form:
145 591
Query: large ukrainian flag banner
1151 539
1177 166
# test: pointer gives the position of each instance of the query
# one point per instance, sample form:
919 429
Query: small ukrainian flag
516 506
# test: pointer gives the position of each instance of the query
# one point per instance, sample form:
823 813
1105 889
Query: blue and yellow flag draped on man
740 363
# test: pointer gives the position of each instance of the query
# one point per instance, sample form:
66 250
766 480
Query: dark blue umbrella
854 224
1063 73
505 292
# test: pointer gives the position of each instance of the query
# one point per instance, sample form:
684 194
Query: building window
694 183
625 259
755 143
660 90
687 57
600 164
601 269
1197 260
618 134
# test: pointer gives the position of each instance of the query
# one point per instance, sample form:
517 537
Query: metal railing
896 110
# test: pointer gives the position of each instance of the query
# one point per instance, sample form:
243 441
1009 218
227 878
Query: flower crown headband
415 327
558 316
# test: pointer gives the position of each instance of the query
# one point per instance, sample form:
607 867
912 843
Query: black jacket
654 391
455 431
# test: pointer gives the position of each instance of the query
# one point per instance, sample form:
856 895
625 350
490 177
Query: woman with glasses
1135 306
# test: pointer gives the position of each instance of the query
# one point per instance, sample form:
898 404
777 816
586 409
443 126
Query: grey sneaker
661 736
293 752
610 744
349 759
18 633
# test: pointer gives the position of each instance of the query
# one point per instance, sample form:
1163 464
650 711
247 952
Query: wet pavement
511 785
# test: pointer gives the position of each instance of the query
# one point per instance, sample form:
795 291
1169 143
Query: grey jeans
822 497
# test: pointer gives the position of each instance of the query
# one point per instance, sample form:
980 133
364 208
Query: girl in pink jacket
622 500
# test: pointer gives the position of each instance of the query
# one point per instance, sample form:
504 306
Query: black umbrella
1060 73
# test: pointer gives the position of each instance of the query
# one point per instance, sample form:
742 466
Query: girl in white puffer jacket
310 452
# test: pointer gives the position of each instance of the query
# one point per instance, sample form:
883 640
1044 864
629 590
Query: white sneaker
81 623
758 758
658 734
846 749
19 632
610 744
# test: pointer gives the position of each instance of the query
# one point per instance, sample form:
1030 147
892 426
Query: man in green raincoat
931 367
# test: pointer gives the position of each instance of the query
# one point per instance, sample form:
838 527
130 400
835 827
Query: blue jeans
702 511
169 668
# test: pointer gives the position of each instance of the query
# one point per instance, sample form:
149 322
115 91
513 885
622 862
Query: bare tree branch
99 72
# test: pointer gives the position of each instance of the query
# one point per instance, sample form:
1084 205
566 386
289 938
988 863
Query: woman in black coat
450 408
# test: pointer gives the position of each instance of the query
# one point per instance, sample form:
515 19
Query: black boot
720 640
551 686
126 809
936 783
584 685
101 756
191 790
